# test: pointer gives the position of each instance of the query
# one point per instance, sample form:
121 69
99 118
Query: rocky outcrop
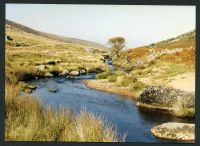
176 102
175 131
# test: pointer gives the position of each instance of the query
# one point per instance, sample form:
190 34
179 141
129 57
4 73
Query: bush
152 62
103 75
125 80
112 78
139 86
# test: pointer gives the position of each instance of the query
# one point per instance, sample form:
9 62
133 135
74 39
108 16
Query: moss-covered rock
176 102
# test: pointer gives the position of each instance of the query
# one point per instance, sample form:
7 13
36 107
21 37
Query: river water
121 111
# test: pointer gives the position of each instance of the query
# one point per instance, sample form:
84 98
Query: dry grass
187 56
27 120
138 52
34 50
104 85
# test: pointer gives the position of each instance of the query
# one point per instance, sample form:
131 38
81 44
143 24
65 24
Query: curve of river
120 111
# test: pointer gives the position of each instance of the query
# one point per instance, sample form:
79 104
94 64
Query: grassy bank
103 85
27 120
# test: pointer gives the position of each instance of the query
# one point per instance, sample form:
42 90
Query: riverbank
31 57
103 85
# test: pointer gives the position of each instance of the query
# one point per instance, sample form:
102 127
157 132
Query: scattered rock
175 131
70 78
48 74
53 89
74 73
32 87
176 102
41 67
83 71
50 62
89 49
65 72
60 80
8 38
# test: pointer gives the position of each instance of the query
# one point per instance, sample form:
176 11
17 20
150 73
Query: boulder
48 74
65 72
74 73
175 131
83 71
53 89
176 102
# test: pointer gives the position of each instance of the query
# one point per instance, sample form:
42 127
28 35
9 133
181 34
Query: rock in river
74 73
53 89
65 72
175 131
48 74
31 87
176 102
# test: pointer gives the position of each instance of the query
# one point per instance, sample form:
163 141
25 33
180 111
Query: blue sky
139 25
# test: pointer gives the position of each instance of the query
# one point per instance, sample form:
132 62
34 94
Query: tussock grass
112 78
173 70
125 80
137 86
104 75
27 120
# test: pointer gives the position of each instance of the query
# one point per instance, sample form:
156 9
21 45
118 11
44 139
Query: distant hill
180 49
182 37
54 36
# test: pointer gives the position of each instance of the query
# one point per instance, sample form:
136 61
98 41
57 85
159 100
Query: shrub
112 78
139 86
136 86
152 62
125 80
103 75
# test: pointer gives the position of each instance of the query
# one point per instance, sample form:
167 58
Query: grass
173 70
112 78
104 75
137 86
125 80
56 55
27 120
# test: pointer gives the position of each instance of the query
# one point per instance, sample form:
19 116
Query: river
121 111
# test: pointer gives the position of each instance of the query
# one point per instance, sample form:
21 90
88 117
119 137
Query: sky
139 25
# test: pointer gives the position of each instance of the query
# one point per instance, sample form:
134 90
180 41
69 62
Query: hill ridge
55 36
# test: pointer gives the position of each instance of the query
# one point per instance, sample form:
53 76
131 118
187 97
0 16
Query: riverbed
121 111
